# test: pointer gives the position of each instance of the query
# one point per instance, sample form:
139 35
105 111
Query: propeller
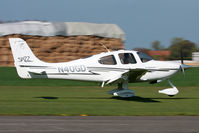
182 69
183 66
182 61
181 56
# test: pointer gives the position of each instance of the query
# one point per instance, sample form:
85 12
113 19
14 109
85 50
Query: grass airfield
71 98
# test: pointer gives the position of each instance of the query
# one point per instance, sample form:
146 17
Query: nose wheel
170 91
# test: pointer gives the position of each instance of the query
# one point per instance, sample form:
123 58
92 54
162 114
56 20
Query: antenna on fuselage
104 46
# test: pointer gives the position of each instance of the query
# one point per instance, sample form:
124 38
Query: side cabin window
144 57
127 58
107 60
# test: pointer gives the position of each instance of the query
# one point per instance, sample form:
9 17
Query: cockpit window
144 57
107 60
127 58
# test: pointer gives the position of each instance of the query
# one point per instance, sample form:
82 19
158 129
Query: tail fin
23 57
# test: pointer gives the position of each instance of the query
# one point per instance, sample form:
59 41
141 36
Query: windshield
144 57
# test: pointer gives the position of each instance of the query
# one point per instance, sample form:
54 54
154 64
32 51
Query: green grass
61 97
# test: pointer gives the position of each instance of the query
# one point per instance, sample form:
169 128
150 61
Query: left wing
132 75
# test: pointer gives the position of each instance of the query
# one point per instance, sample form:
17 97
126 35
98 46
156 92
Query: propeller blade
182 69
181 56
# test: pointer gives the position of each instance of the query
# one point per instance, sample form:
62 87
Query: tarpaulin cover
61 28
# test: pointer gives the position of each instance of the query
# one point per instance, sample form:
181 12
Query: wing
131 75
134 75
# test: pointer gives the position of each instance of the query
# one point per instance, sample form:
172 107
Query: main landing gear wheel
122 91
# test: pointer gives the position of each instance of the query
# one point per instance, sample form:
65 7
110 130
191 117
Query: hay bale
59 48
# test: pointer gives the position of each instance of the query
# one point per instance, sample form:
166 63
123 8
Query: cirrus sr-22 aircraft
120 67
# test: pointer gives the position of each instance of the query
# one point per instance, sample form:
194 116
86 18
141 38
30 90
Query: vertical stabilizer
23 57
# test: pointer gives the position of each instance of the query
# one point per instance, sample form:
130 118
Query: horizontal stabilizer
36 71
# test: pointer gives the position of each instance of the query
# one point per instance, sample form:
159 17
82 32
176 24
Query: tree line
178 46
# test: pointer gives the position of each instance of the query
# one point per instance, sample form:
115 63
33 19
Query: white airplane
121 67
